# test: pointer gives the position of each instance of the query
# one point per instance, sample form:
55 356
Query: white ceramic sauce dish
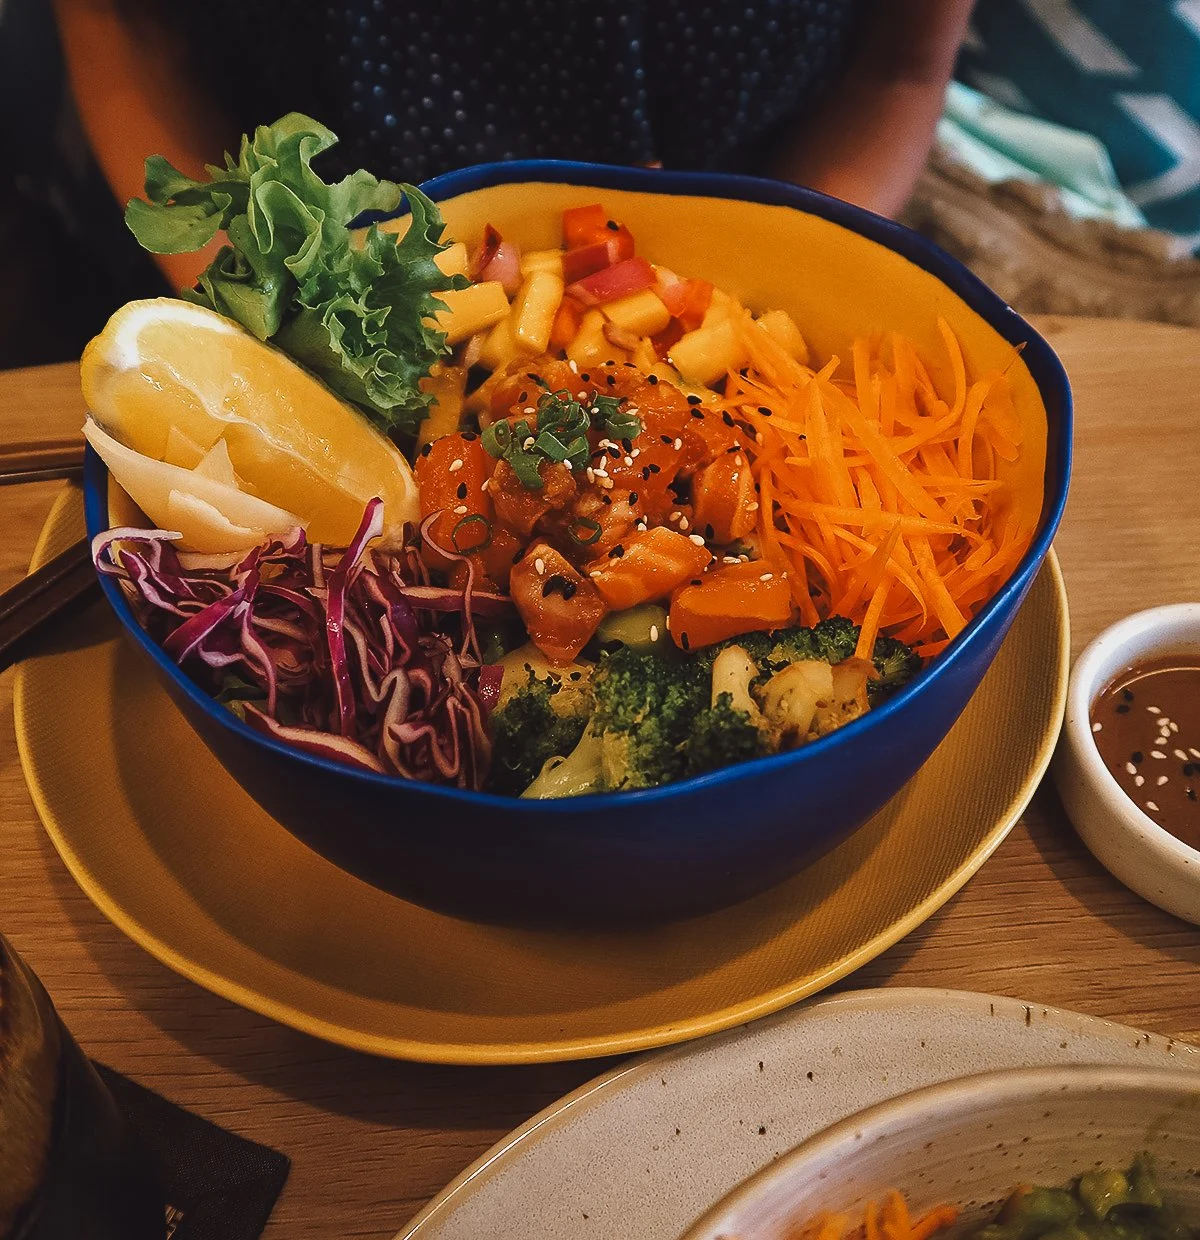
970 1141
1124 839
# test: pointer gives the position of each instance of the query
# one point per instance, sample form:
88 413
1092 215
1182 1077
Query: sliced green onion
594 529
469 520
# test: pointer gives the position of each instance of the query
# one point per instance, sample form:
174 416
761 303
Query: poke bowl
1028 1151
714 838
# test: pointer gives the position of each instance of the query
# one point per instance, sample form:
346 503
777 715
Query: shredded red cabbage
347 653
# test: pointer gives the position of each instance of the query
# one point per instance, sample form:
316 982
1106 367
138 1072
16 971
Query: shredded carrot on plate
891 1221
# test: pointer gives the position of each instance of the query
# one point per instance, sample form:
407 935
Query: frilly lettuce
359 317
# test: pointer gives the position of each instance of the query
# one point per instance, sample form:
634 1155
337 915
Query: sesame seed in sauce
1152 807
1162 779
455 465
1097 726
460 510
654 632
696 539
1157 753
539 566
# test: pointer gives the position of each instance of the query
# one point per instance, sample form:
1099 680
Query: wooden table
372 1140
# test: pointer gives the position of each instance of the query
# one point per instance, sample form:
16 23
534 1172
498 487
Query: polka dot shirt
413 91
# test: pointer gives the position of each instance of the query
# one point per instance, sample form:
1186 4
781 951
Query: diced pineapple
644 357
534 308
541 260
781 327
591 347
447 383
708 353
452 261
471 309
642 313
500 345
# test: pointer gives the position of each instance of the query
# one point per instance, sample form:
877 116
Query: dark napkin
218 1185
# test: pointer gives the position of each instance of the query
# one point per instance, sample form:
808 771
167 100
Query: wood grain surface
372 1140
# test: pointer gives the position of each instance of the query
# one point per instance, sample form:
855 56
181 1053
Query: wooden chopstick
33 461
64 583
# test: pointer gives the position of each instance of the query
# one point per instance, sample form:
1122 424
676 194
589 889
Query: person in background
1128 74
841 95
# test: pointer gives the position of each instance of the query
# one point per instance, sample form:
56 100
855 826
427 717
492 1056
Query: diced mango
541 260
471 309
500 345
781 327
447 383
452 261
591 347
721 307
534 308
642 313
708 353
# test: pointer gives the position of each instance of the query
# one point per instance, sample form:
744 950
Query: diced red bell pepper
585 226
688 301
585 260
620 280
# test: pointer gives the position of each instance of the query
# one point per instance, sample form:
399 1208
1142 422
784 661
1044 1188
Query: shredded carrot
892 1221
879 493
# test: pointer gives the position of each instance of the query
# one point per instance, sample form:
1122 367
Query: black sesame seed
520 555
667 438
617 552
693 399
709 533
1122 708
559 584
1191 794
462 490
585 376
683 641
1127 694
764 411
1189 769
1137 756
627 444
611 380
613 225
576 676
469 436
696 413
427 449
614 453
606 499
737 447
654 469
523 397
695 581
633 497
646 473
726 418
652 380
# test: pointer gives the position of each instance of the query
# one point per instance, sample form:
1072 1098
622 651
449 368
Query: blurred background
1066 172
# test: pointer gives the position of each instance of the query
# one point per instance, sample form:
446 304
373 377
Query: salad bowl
710 841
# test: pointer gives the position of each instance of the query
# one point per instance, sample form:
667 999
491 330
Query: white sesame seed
1139 780
751 507
1097 726
730 559
530 409
1180 754
528 443
539 566
1154 710
783 576
596 572
674 516
460 509
600 473
606 482
1162 779
573 367
735 477
1157 753
629 460
583 395
1130 768
1174 726
683 522
737 460
591 474
455 465
766 576
1151 806
1194 752
668 624
654 632
696 539
636 452
633 409
641 525
678 444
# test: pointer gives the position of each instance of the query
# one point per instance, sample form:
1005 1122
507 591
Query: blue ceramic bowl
707 842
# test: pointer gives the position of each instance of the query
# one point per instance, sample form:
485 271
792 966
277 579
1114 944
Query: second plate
179 857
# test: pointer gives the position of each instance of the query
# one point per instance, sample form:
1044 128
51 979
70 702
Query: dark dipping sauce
1146 725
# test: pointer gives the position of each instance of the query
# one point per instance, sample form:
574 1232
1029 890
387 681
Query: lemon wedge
170 381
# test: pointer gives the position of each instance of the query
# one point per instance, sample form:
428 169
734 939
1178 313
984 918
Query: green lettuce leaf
357 316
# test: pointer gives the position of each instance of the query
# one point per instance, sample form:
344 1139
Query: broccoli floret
896 665
836 639
527 731
576 774
721 736
645 705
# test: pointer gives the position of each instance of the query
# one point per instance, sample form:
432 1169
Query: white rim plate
643 1151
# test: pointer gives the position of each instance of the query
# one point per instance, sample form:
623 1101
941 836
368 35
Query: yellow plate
175 854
